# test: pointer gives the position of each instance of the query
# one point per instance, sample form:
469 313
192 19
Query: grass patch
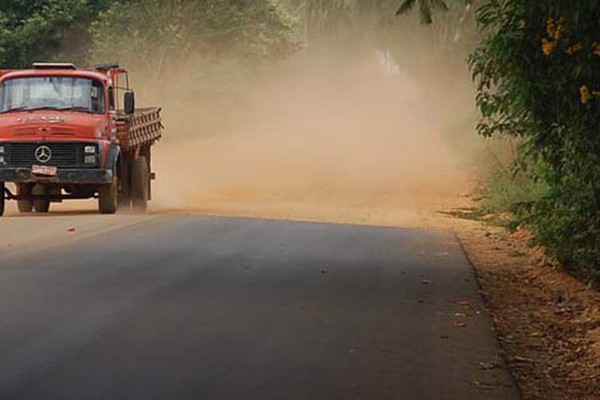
504 186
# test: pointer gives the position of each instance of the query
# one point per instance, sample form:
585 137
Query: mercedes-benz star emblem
43 154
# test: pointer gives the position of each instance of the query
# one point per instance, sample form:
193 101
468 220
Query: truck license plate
44 170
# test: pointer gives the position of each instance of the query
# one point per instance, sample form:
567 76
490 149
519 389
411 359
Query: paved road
188 307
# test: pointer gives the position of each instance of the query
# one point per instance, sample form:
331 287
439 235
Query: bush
538 69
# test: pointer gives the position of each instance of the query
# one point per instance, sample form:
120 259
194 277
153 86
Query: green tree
45 30
160 33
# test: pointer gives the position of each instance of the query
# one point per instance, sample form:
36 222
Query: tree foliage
37 30
330 15
426 8
48 30
163 32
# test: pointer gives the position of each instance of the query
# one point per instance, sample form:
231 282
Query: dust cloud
328 135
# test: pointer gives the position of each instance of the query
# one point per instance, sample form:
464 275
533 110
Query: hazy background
336 132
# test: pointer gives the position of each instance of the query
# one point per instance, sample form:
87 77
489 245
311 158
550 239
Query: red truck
64 135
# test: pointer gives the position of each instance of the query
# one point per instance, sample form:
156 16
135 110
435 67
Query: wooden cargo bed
141 129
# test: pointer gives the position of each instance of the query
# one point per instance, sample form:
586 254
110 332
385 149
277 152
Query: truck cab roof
49 71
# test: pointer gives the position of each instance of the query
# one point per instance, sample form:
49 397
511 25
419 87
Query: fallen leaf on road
71 229
483 385
487 366
522 359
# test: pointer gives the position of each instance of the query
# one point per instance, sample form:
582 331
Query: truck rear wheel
107 198
25 206
125 186
2 198
40 206
139 185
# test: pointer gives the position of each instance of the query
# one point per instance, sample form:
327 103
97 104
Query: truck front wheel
139 185
40 206
25 206
2 198
107 198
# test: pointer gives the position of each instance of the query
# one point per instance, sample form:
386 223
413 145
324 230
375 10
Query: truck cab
59 137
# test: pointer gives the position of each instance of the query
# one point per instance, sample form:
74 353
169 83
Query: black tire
139 185
125 187
40 206
107 198
2 198
24 206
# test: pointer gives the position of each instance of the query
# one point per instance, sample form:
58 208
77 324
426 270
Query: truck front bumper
63 176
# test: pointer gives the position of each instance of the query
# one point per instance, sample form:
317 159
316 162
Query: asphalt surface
190 307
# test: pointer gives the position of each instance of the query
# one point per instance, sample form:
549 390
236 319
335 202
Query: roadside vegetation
537 66
160 32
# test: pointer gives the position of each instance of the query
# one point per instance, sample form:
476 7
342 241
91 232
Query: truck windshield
52 92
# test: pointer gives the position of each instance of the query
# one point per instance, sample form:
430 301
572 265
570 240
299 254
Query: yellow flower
548 46
550 26
560 29
555 29
584 93
574 49
597 48
596 93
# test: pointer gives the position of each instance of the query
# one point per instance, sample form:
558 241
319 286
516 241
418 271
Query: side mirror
129 103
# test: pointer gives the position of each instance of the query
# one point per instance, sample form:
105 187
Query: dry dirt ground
548 322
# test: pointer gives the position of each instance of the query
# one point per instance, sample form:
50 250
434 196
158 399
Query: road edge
487 302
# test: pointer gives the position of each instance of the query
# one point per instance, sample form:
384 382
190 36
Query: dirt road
319 177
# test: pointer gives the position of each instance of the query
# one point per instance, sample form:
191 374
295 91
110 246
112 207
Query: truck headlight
89 159
1 149
2 159
89 149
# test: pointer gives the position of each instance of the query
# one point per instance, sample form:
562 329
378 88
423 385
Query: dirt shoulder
547 321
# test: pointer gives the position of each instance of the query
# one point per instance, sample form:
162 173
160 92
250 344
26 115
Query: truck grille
65 154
